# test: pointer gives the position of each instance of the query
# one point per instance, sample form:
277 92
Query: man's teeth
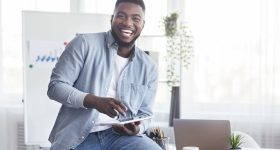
127 32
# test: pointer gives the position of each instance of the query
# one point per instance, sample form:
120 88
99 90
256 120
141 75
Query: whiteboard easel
48 31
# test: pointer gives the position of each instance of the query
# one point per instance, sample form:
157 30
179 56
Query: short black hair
138 2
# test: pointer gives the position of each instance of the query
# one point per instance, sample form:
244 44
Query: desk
258 149
172 147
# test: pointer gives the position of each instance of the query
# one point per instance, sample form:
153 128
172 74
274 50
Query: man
99 77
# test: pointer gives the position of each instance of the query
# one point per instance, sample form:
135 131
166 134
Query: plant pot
170 24
162 142
175 104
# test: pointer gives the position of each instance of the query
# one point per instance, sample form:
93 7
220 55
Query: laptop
205 134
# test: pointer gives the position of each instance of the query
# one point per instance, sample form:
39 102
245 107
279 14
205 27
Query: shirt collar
110 41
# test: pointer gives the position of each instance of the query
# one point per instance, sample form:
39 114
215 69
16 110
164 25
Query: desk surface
258 149
172 147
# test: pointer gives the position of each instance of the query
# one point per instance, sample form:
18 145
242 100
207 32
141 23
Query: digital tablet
125 120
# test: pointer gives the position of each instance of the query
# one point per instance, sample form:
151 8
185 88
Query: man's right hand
108 106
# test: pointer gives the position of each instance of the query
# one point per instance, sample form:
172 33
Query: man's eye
136 19
121 16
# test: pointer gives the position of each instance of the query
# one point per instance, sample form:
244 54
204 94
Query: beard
121 43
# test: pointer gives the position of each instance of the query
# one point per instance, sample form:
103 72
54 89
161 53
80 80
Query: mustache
121 43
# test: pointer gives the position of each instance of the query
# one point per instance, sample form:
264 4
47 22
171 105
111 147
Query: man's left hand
127 129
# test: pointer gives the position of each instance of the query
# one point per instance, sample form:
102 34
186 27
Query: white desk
258 149
172 147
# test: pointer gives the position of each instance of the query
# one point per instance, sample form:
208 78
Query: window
11 78
235 72
235 57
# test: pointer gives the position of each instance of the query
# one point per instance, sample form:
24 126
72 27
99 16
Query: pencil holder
157 135
162 142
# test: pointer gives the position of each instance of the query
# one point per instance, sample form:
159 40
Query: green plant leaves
235 141
179 49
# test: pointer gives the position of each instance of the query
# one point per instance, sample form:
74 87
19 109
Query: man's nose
128 21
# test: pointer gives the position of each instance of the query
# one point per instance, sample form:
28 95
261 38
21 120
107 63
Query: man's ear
112 16
143 24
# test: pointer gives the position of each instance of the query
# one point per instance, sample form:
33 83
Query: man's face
127 23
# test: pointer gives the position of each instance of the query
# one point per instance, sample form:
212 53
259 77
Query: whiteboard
44 37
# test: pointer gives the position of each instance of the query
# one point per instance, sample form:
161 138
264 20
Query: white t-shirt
119 64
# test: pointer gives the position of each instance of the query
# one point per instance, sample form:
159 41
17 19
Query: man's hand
108 106
127 129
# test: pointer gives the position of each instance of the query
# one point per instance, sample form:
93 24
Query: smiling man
102 76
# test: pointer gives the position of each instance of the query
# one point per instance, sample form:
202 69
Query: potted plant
179 52
157 135
235 141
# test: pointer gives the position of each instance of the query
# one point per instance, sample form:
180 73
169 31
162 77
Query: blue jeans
110 140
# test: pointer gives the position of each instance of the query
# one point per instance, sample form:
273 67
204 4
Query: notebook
205 134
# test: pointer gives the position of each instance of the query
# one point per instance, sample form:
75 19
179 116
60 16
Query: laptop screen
205 134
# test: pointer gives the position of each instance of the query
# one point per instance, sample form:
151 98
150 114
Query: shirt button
82 137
